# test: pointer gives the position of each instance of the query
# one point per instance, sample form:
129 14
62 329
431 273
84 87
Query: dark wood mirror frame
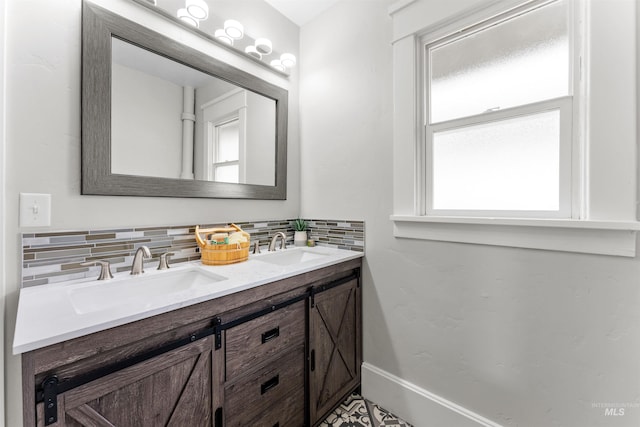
98 28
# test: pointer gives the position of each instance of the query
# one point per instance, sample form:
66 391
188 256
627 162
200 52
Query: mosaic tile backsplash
57 256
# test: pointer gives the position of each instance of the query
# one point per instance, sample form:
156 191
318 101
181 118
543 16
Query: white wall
43 140
146 134
522 337
2 206
260 151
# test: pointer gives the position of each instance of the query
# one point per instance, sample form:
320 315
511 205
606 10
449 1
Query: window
498 116
476 90
226 152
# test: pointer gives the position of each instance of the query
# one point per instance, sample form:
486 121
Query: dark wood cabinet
265 369
281 354
271 395
252 342
172 389
335 352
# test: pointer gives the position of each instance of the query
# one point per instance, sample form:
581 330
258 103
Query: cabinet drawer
249 343
271 396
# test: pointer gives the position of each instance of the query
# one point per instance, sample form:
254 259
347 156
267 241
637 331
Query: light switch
35 210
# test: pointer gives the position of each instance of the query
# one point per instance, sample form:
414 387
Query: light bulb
251 50
264 46
234 29
223 37
198 9
186 17
277 64
288 60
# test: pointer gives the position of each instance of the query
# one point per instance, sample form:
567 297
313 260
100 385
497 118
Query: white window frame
225 108
603 168
215 148
569 179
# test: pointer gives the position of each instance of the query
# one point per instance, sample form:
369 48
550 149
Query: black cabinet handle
276 425
313 360
270 334
268 385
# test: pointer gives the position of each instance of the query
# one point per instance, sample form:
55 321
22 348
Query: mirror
207 129
161 119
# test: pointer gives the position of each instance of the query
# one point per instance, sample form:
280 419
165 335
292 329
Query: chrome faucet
137 267
274 239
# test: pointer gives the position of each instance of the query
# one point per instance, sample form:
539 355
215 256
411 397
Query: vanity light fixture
264 46
277 64
288 60
234 29
251 50
221 35
198 9
186 17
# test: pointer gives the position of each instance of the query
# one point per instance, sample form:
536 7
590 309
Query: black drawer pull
276 425
313 360
271 334
268 385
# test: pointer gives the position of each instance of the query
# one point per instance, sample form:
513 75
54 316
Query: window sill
617 238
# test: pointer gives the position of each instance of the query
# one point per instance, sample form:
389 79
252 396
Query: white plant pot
300 238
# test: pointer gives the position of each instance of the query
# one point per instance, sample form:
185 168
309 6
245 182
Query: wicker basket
222 254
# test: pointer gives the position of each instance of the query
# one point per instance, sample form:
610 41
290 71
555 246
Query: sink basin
292 256
142 290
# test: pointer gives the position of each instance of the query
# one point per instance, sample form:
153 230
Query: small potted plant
300 236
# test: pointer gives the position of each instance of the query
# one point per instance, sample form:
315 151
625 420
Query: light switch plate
35 210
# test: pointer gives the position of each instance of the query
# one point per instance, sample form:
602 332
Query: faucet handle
105 268
164 261
256 247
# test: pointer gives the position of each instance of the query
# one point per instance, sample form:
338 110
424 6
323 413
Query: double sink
80 307
179 283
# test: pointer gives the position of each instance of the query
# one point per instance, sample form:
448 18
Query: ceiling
301 11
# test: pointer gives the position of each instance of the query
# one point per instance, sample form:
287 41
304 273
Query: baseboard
415 404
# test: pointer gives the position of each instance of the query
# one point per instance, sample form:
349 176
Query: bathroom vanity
275 342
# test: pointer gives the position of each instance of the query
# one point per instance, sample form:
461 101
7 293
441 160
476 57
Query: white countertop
49 314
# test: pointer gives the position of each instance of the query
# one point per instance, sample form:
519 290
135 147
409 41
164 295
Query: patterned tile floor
359 412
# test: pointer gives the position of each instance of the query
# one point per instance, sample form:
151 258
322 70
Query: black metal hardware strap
50 393
71 383
321 288
255 315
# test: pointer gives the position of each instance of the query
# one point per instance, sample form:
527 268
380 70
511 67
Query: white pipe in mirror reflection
188 121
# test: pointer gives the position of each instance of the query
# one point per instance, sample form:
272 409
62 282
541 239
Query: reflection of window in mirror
224 119
225 165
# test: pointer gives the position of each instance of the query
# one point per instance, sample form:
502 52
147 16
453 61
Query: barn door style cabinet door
335 350
172 389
